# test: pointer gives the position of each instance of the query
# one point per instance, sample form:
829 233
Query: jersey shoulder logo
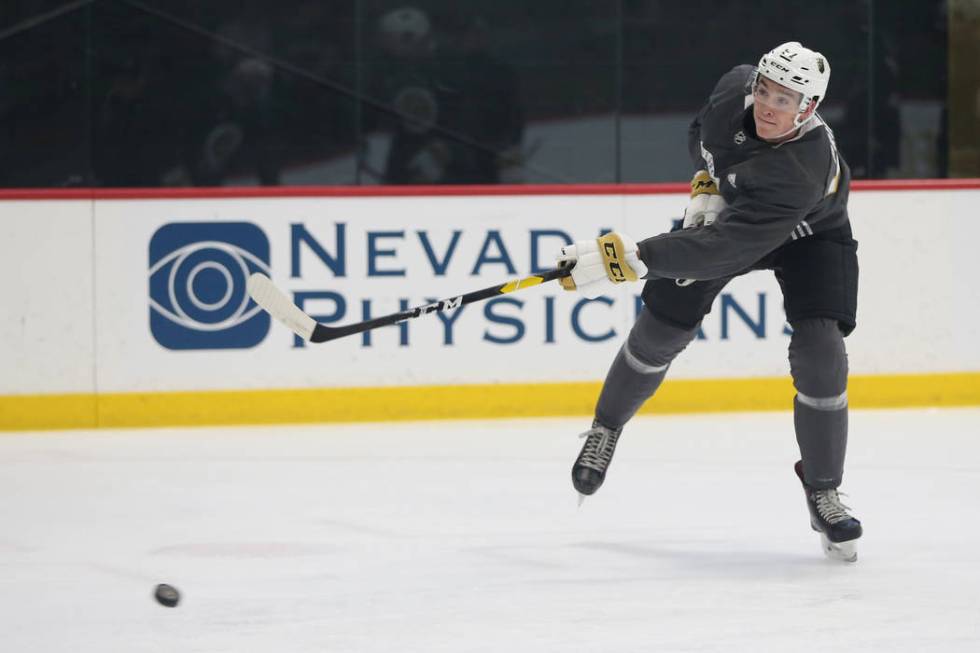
731 179
739 137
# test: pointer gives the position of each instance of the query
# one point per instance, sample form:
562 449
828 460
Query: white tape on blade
266 295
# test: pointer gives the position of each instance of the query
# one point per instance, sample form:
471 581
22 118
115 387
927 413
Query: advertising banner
133 295
171 293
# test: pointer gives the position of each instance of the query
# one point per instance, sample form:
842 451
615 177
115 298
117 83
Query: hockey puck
167 595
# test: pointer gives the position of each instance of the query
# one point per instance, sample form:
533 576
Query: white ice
465 536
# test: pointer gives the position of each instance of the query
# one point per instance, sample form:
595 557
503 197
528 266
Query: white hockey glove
706 202
600 264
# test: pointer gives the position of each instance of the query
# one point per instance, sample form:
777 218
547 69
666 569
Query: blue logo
198 272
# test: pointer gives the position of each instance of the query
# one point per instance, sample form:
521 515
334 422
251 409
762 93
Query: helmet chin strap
779 137
796 126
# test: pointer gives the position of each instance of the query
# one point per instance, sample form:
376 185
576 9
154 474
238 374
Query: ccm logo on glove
612 256
599 265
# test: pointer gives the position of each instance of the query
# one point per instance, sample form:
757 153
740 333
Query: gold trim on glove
613 257
566 283
703 183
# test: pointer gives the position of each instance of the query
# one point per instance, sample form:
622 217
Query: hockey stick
278 305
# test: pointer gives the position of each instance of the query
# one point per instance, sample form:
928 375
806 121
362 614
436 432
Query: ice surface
465 536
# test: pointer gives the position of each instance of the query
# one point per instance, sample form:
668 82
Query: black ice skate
838 530
589 470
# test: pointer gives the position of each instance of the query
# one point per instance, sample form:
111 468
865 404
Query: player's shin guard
818 361
629 383
821 433
639 368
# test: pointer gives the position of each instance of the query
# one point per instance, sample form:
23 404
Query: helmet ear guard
814 103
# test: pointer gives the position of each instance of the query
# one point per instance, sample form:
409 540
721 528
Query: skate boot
838 530
589 470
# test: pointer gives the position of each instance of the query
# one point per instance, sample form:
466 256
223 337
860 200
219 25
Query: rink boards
127 308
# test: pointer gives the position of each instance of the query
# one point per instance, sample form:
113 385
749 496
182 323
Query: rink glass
151 93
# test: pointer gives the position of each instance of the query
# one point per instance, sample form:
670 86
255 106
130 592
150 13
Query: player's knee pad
818 362
652 344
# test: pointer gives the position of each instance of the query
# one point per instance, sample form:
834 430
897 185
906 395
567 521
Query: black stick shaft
323 333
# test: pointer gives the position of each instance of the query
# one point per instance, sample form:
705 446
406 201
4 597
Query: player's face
774 109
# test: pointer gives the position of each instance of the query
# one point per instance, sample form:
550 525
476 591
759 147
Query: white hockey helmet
797 68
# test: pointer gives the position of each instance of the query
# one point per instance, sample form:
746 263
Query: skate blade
842 551
581 499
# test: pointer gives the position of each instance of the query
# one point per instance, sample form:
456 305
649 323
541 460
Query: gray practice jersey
775 193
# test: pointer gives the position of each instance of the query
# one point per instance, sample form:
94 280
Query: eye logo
197 277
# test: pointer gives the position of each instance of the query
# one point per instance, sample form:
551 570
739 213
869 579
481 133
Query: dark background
149 93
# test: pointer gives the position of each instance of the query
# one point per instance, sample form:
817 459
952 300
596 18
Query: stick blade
278 305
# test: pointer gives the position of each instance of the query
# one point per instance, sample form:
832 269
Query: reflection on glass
450 110
244 92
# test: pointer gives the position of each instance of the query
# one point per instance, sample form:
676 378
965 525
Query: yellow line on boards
125 410
21 412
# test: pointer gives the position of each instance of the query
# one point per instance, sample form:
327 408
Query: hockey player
769 192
